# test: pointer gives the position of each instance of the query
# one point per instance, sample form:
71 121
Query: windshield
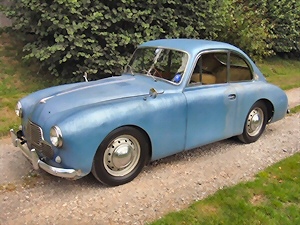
167 64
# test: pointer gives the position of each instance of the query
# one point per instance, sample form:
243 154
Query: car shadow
192 154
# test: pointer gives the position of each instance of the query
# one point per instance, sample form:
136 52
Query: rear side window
239 69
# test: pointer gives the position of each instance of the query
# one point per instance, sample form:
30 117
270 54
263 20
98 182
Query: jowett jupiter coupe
174 95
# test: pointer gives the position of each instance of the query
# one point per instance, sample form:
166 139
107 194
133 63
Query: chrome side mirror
153 93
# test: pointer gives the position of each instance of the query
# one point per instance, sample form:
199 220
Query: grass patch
283 73
295 109
272 198
17 79
8 187
31 180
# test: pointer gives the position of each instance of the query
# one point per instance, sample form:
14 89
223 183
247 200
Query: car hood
55 100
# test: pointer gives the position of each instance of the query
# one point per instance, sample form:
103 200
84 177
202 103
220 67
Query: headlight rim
57 131
19 109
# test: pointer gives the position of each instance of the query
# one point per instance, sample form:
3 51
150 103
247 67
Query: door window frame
228 67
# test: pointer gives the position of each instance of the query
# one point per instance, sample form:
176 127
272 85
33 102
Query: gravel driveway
34 197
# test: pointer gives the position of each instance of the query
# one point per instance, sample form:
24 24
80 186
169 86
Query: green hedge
71 37
284 19
247 28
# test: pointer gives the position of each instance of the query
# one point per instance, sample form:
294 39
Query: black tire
121 156
255 123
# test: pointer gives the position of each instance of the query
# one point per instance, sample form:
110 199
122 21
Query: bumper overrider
37 163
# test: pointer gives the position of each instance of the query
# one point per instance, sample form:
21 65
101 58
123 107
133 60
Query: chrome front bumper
33 157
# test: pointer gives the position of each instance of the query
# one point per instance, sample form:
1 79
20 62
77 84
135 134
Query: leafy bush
71 37
284 19
246 27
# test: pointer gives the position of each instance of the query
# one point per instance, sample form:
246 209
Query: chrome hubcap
255 121
122 155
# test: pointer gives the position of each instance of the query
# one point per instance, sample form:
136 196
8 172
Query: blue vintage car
174 95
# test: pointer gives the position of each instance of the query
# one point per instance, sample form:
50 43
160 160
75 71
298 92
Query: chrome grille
34 136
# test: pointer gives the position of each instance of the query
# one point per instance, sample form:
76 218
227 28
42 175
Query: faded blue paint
180 118
210 114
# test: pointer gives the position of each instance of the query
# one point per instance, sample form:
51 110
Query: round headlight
18 109
56 136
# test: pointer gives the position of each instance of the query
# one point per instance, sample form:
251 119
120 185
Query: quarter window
239 69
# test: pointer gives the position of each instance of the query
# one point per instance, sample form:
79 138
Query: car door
211 101
241 78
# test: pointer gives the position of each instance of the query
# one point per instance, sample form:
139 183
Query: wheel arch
104 168
270 108
148 139
143 132
254 126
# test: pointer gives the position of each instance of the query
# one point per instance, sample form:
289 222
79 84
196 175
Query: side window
211 68
239 69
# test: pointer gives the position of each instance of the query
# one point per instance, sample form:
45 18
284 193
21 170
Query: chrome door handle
232 96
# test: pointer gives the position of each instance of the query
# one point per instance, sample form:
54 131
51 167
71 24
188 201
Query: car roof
192 46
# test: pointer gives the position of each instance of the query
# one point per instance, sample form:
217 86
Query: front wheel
255 123
121 156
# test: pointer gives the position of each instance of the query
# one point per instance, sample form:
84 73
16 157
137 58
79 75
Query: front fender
163 118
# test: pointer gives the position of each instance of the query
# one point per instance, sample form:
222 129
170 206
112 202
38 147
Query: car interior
211 68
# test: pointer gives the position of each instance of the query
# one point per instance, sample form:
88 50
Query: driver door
211 102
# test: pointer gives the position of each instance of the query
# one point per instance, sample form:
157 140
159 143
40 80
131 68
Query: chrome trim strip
33 157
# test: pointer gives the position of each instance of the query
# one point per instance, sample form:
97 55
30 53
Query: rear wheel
255 123
121 156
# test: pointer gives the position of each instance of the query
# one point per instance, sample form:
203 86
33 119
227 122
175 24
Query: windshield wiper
159 51
148 72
